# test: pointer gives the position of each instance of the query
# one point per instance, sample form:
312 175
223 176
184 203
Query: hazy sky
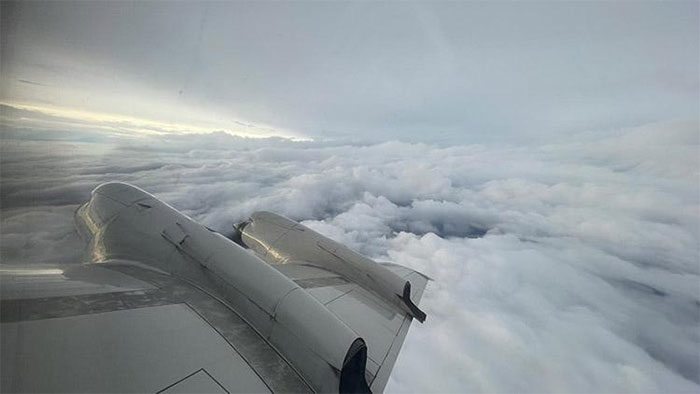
450 72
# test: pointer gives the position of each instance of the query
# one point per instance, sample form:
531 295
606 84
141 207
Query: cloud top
561 267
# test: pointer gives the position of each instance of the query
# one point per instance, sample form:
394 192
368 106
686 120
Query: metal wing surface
377 301
164 304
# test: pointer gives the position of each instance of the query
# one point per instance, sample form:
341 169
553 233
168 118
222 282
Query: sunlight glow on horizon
144 126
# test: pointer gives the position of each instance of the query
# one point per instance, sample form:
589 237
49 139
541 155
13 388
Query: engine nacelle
279 240
123 222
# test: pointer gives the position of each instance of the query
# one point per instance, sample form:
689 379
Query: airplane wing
374 300
167 305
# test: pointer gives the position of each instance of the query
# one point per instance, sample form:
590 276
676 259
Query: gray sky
454 72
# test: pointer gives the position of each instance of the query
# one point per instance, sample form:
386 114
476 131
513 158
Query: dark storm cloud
446 71
562 267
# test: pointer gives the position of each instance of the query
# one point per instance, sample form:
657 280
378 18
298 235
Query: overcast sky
445 72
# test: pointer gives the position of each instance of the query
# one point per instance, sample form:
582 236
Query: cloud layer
563 267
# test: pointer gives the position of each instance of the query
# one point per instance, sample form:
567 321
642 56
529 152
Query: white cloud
567 267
